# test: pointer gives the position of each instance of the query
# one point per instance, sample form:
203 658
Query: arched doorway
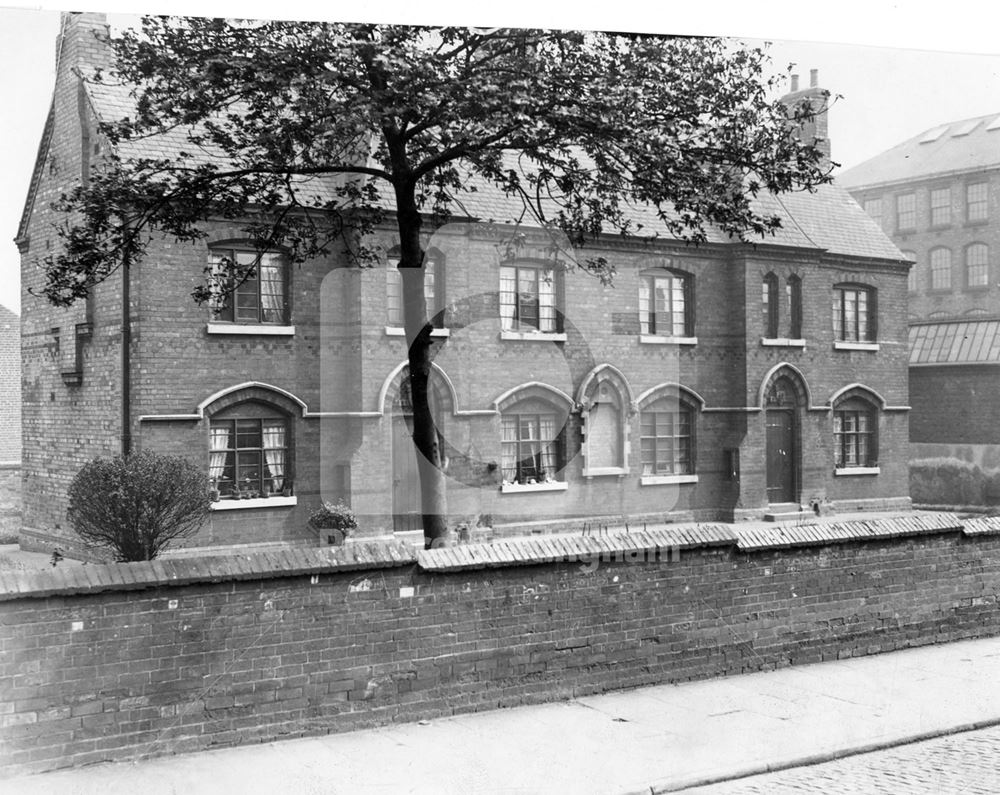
782 421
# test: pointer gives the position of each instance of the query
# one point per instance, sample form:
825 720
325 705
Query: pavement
655 739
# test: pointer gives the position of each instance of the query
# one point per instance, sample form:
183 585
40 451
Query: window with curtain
528 298
666 305
854 313
260 297
666 437
531 442
248 454
855 426
433 288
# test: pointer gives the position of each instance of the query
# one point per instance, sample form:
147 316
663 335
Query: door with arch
781 418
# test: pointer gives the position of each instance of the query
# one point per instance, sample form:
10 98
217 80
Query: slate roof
827 219
959 342
965 145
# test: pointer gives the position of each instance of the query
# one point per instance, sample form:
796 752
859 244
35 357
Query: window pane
977 202
393 295
941 207
508 297
977 265
941 269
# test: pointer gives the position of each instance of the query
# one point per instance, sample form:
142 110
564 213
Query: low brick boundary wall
125 661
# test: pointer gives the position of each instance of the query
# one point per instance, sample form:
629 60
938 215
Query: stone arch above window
668 434
533 435
606 404
254 392
855 430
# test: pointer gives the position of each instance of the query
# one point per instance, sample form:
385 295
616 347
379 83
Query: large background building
709 383
937 196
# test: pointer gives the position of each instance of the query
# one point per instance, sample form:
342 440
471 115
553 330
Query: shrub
946 481
135 506
337 517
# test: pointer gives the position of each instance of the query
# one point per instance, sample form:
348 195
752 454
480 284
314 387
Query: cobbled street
959 763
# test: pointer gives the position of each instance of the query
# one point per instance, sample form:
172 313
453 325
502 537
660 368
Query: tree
395 123
136 505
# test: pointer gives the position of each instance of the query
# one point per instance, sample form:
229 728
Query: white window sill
663 480
399 331
842 345
656 339
256 502
782 342
525 488
257 329
597 472
533 336
851 471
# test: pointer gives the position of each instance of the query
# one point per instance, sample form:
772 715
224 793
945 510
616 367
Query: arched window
666 303
667 434
249 450
977 265
532 441
940 269
606 404
433 288
855 433
769 305
793 292
254 285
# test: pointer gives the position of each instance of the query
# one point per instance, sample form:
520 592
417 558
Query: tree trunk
433 494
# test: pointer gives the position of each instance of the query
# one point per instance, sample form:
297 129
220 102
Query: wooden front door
406 509
781 455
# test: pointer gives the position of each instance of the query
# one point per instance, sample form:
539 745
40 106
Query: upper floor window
769 305
977 201
940 269
666 304
906 212
977 265
854 313
874 208
260 291
941 207
433 288
248 452
531 447
855 425
528 298
912 281
793 294
666 437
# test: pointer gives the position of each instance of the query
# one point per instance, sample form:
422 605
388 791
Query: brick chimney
815 130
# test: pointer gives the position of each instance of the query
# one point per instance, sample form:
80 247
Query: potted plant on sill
335 521
213 493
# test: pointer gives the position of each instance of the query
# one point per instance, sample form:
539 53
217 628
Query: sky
899 67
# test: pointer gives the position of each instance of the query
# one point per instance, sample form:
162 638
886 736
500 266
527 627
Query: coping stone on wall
574 548
982 526
780 536
96 577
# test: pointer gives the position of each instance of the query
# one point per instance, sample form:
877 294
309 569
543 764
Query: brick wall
955 404
10 386
121 661
10 500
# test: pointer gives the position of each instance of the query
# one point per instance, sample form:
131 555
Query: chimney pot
795 83
813 78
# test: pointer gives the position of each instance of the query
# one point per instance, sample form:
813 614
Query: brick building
937 196
709 382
